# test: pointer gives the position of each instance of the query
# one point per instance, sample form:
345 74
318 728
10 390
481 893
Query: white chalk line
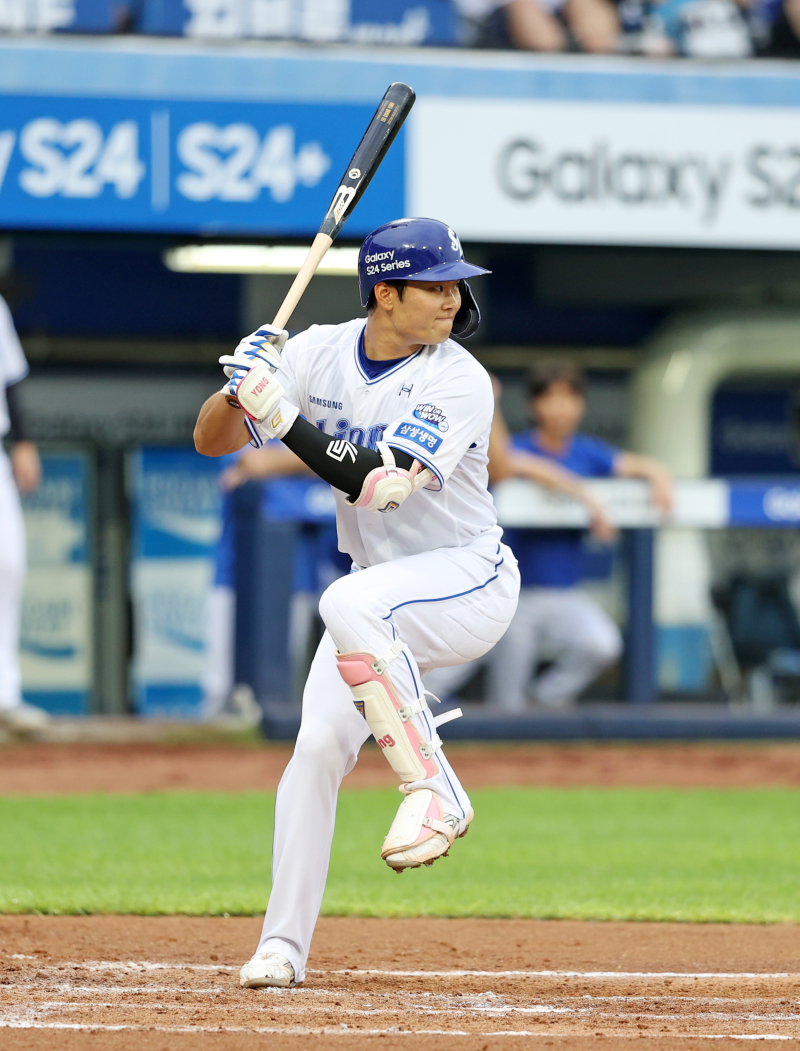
344 1030
449 1007
356 994
586 1012
119 990
561 974
486 1001
147 965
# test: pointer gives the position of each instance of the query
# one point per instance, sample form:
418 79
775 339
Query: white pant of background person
448 606
12 582
563 621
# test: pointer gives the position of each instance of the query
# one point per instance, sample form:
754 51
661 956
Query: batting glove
261 397
263 347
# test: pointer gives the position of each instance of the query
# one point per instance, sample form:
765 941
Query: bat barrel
381 131
389 116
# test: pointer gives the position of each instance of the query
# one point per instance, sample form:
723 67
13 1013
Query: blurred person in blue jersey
318 563
553 613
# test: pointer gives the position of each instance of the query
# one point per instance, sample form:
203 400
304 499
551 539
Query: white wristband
279 421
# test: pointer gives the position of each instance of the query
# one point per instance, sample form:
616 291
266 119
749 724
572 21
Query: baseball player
19 473
396 417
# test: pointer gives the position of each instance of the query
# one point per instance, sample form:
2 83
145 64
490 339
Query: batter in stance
396 417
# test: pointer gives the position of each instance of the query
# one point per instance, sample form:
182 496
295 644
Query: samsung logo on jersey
325 403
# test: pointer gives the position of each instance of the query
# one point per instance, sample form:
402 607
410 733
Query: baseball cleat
24 718
267 969
422 832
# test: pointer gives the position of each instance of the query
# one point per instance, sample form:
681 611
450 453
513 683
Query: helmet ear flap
468 317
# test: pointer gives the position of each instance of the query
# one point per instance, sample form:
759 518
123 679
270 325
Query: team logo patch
339 448
433 415
421 435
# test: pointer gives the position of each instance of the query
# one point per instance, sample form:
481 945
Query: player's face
426 312
559 410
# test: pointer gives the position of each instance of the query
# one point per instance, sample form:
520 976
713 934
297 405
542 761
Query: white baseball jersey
13 366
436 405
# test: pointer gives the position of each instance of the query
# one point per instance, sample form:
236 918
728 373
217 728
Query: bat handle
319 247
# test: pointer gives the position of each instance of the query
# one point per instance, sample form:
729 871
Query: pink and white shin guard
420 818
390 721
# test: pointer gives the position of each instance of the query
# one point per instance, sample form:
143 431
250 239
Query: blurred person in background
506 461
274 460
687 28
553 612
553 616
776 28
318 566
544 25
20 473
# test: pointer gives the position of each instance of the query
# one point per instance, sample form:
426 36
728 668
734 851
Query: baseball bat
376 140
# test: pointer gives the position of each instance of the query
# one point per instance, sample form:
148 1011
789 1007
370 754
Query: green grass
582 853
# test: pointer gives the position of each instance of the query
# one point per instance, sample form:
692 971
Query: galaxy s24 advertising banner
608 173
205 167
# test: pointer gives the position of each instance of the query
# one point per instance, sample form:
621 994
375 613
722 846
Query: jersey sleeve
13 365
287 377
601 457
453 413
521 441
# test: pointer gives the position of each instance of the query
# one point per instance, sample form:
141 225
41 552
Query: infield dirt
54 768
167 983
128 983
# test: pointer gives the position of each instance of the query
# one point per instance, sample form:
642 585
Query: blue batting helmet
419 250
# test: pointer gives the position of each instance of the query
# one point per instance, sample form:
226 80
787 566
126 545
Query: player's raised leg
389 622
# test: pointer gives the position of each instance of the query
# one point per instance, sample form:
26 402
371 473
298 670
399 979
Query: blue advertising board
760 504
131 133
205 167
401 22
57 613
177 522
63 16
755 431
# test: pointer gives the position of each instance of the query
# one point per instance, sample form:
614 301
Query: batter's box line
147 965
557 974
344 1030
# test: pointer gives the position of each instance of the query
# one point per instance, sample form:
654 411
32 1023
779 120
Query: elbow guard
385 488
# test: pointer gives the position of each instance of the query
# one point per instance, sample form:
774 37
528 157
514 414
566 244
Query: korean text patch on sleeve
411 432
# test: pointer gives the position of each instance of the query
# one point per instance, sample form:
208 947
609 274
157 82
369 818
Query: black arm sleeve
16 430
340 464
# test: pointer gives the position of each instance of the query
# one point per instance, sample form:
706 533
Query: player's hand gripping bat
379 136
